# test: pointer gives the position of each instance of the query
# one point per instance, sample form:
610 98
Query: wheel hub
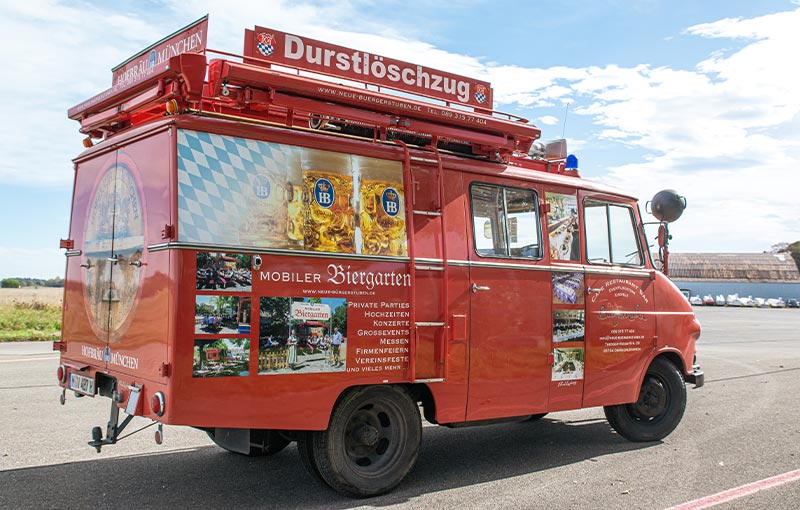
366 435
652 399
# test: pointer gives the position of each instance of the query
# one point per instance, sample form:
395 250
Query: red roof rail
162 80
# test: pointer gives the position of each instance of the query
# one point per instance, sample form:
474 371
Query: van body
249 257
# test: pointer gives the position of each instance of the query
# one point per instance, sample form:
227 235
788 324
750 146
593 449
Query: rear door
114 247
117 295
510 301
86 308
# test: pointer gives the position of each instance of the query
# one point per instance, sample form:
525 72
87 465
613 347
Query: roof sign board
266 44
190 39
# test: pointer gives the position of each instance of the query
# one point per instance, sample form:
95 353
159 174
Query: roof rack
456 116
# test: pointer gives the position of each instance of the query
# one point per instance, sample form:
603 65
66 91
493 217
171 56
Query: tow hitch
114 428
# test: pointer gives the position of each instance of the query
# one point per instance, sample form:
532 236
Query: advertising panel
240 192
301 315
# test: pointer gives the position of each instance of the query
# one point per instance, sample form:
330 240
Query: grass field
30 314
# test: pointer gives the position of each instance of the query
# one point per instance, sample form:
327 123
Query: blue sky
699 96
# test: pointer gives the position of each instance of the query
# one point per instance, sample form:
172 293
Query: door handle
137 263
476 287
592 290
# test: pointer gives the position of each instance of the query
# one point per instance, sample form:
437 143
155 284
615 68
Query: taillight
157 403
61 373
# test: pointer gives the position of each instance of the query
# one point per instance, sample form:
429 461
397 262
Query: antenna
564 128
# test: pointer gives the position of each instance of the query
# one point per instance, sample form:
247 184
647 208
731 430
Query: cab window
611 234
505 221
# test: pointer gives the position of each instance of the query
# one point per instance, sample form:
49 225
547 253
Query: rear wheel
371 443
659 409
262 442
305 447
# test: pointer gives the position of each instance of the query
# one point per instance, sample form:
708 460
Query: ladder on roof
427 336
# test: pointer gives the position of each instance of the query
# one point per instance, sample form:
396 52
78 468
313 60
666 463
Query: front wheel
659 409
371 443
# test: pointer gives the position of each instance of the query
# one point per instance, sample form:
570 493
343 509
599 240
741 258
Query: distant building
765 275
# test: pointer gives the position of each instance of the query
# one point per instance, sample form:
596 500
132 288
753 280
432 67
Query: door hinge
60 346
168 232
551 358
544 208
67 244
165 370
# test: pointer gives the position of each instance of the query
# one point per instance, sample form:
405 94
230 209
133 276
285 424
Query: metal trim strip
272 251
382 258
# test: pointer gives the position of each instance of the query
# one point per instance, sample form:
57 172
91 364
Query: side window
611 234
505 221
488 220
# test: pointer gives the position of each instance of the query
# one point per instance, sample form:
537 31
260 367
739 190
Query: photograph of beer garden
220 357
223 271
222 315
302 335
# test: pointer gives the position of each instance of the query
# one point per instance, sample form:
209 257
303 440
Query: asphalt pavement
742 427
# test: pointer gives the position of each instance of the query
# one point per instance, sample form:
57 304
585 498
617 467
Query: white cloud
726 133
547 120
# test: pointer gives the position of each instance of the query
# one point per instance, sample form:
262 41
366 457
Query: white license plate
81 384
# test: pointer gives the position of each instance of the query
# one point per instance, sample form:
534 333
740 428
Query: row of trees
16 283
792 249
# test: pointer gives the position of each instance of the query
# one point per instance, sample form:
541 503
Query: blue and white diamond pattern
480 97
265 49
215 183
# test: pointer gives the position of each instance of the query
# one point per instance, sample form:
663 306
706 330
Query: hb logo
324 193
390 199
261 186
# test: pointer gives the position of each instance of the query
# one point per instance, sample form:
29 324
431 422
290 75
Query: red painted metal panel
271 393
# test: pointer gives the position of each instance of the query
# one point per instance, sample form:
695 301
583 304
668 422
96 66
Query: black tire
305 448
371 443
536 417
262 442
659 409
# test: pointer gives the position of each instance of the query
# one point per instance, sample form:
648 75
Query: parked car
792 303
776 303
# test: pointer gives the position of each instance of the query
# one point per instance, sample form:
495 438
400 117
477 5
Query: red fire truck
459 264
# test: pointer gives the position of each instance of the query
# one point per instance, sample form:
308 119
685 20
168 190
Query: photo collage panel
222 314
569 326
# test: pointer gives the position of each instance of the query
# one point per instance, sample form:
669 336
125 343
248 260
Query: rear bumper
697 377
